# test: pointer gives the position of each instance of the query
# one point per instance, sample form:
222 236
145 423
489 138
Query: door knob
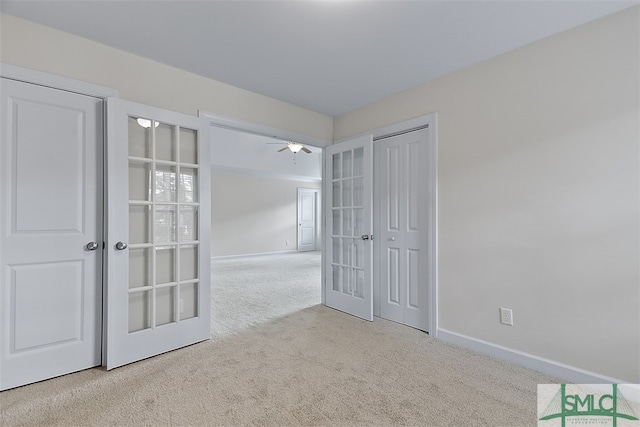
121 246
393 239
91 246
365 237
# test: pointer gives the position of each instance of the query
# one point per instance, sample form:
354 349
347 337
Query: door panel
402 228
51 198
348 261
306 219
158 244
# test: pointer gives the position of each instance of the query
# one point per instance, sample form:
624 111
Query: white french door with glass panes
157 295
348 262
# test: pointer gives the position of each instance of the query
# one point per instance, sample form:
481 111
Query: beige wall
30 45
253 214
538 194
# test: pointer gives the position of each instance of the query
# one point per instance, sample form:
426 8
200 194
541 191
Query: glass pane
336 222
336 250
346 164
139 181
188 223
165 226
336 278
358 162
139 138
358 222
346 223
139 267
346 192
336 166
188 146
188 262
336 194
165 183
358 255
165 305
139 311
359 285
165 142
139 224
165 264
347 286
358 192
346 251
188 192
188 300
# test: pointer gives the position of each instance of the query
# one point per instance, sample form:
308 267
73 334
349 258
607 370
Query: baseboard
540 364
256 254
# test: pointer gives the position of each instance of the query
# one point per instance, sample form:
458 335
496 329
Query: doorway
63 249
307 219
387 251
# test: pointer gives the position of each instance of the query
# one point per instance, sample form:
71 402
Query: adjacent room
318 212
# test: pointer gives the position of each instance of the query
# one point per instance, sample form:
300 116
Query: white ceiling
327 56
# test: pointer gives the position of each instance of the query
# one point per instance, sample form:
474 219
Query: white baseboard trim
256 254
540 364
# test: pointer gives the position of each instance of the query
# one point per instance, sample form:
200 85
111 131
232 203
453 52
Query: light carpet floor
310 366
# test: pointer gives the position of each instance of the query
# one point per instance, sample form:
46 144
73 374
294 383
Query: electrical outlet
506 316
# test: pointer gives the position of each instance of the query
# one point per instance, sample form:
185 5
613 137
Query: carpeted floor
306 366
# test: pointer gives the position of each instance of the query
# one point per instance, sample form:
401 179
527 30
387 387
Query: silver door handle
393 239
91 246
121 246
365 237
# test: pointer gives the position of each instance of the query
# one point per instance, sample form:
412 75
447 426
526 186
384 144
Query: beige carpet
316 366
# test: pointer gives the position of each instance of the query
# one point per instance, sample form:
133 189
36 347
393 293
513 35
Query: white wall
30 45
539 194
232 149
253 214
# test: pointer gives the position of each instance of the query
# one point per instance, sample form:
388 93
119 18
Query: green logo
585 404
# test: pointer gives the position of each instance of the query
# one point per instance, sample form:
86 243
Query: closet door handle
91 246
121 246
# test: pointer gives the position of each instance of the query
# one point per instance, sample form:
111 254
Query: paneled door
50 232
348 213
307 219
158 232
402 185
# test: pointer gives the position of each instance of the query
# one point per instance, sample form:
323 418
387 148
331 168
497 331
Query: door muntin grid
163 224
348 222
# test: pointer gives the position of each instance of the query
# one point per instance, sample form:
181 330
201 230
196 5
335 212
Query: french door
348 213
157 293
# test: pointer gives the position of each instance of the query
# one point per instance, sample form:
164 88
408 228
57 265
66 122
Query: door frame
316 209
26 75
430 122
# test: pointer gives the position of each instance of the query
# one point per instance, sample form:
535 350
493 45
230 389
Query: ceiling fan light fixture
294 147
146 123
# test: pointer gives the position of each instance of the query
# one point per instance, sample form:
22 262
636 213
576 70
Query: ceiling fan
293 146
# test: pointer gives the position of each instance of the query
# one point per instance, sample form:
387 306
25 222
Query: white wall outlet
506 316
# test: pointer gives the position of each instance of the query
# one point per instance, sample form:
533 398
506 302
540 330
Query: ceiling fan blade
306 150
282 149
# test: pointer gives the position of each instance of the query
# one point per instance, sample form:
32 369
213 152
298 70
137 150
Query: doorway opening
266 259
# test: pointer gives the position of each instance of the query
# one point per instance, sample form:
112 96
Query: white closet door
50 232
348 261
401 234
158 196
